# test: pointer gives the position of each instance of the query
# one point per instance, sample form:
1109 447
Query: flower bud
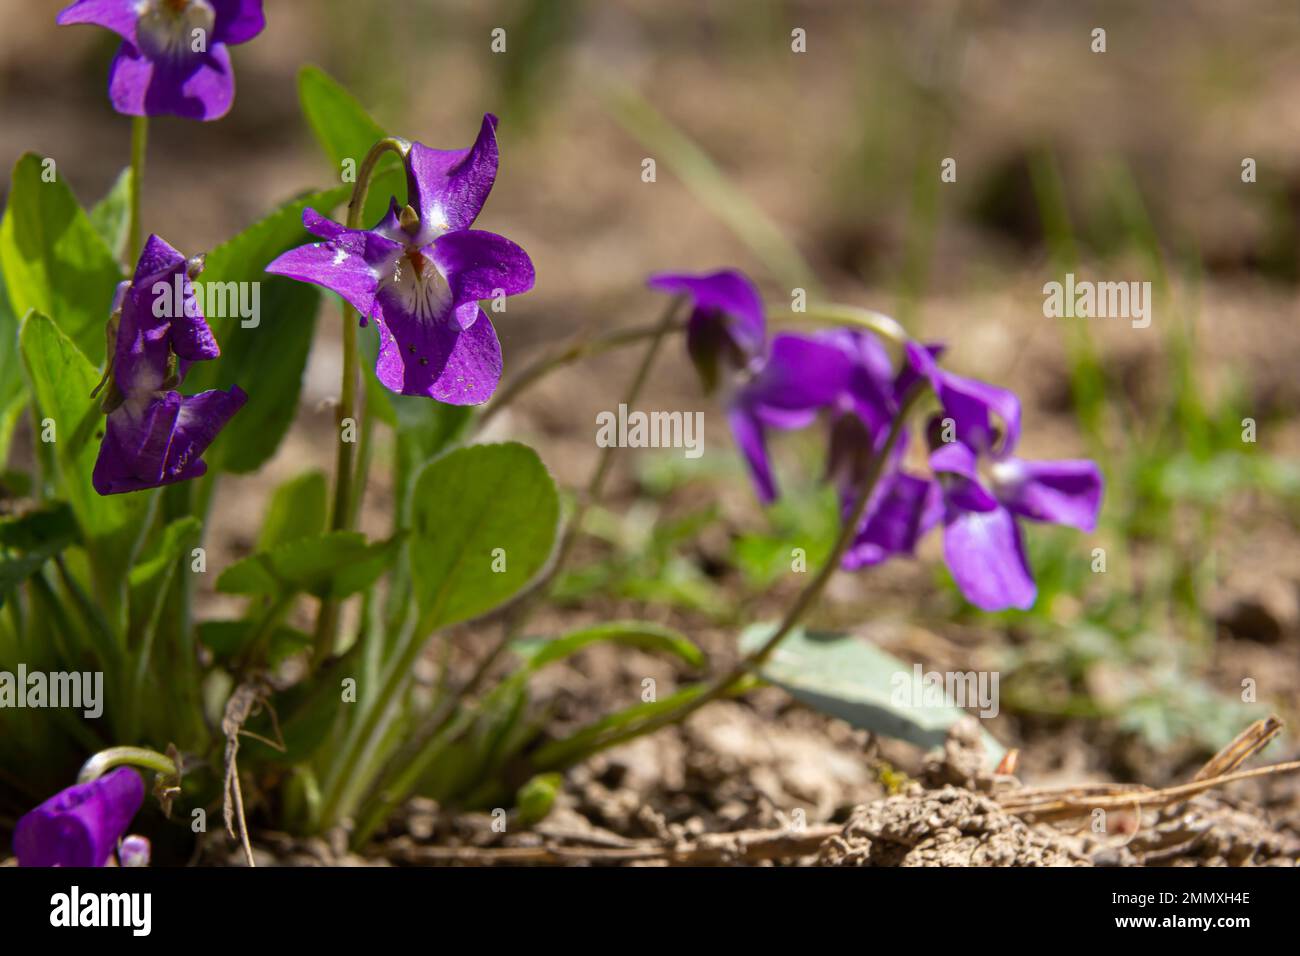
409 220
134 851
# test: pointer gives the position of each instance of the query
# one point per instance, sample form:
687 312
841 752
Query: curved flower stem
574 352
517 616
869 319
726 684
104 761
818 584
344 512
343 487
135 231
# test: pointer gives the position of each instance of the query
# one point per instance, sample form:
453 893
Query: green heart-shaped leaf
484 521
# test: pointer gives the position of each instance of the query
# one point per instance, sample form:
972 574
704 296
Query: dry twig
1059 803
1244 746
247 700
743 846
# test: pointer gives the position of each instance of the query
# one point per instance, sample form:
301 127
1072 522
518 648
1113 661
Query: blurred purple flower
726 323
81 825
134 851
981 540
849 373
421 272
153 435
864 407
800 376
979 488
985 488
173 59
971 406
902 507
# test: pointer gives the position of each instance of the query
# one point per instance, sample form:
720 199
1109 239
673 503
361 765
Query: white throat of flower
146 389
173 28
1005 476
414 280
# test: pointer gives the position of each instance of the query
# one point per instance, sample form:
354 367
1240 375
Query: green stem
523 610
518 616
726 684
327 625
106 760
18 620
188 498
254 655
56 628
49 610
571 353
868 319
135 231
346 411
596 484
95 621
344 510
413 768
809 595
365 454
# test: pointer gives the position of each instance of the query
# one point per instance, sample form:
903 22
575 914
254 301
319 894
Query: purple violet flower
173 59
726 322
421 272
80 826
154 435
985 488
